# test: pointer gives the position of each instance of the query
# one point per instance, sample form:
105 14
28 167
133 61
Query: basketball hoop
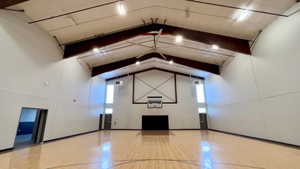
154 102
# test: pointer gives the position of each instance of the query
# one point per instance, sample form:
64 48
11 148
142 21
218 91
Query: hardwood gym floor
140 150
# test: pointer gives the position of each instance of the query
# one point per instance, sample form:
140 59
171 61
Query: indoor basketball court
149 84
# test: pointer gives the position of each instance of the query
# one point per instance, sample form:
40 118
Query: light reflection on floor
131 150
106 155
206 157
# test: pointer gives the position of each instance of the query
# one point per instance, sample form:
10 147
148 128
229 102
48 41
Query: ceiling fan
152 49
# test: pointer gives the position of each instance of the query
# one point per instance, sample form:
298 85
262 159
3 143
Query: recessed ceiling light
96 50
99 52
215 47
121 8
178 39
171 62
137 62
243 15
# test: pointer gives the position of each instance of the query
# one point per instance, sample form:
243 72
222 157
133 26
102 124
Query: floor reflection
155 133
106 156
206 157
131 150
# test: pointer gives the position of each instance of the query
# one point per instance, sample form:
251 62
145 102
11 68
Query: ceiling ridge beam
225 42
8 3
212 68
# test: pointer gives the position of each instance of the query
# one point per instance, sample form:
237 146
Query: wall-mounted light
121 8
137 62
171 62
178 39
215 47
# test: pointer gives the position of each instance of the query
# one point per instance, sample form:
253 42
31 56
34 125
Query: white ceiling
187 49
166 44
105 19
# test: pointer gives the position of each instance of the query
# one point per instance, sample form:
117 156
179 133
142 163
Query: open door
31 127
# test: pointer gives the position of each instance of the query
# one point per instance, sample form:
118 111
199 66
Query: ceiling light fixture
99 52
243 15
171 62
96 50
215 47
137 62
178 39
121 8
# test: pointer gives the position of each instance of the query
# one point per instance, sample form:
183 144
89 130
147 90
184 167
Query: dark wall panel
155 122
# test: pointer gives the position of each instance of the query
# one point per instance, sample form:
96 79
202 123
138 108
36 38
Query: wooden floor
169 150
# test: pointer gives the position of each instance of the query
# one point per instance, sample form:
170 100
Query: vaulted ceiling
69 22
105 19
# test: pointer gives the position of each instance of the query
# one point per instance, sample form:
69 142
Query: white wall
182 115
259 95
33 74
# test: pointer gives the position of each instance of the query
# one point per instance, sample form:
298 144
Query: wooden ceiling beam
186 62
225 42
7 3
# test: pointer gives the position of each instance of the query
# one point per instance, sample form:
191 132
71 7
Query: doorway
203 121
100 121
155 122
31 127
107 121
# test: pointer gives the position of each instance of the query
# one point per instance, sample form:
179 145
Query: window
200 93
108 111
110 94
201 110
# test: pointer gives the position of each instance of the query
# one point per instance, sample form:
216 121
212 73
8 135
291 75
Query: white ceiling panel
105 19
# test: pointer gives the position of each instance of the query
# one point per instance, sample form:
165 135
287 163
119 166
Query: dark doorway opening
155 122
203 121
31 127
107 121
100 121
